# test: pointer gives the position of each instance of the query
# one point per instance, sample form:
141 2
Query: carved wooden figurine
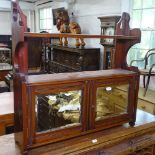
65 26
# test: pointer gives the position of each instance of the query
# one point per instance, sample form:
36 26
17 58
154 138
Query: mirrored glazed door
111 100
59 111
111 103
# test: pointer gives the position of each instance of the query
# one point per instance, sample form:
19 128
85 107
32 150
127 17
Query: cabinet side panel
18 110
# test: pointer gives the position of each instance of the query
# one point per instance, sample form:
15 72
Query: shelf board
69 35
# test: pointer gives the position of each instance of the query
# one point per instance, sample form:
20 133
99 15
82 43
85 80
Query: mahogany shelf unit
74 104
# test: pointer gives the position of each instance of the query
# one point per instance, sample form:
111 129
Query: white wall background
5 24
54 5
86 13
5 16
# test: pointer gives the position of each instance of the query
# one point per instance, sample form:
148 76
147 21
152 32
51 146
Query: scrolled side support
122 46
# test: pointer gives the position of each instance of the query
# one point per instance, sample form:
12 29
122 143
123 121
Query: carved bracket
122 46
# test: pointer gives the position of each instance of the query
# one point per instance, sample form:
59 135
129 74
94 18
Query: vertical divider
92 104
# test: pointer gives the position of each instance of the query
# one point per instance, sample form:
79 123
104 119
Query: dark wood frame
104 123
88 84
25 86
59 133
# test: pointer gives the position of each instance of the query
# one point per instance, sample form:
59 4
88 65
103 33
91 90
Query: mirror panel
58 110
111 100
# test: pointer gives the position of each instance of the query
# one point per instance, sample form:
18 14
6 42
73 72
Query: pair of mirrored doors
67 110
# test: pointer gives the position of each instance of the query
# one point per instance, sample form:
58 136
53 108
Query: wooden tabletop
145 124
6 103
6 111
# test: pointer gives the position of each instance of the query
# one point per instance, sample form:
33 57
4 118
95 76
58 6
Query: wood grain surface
6 111
114 138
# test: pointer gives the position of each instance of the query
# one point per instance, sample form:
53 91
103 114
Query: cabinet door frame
115 119
38 139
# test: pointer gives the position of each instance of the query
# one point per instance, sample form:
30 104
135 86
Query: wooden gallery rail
55 107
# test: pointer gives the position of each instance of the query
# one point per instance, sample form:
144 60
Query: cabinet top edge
77 76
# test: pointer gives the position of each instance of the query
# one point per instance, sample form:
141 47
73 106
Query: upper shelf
124 39
68 35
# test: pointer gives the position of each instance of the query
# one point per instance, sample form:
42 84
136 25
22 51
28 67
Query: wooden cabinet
5 57
69 59
5 61
146 103
108 27
108 58
5 64
70 102
146 106
5 53
67 105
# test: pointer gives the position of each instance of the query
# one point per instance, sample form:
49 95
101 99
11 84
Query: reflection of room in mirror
111 101
58 110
